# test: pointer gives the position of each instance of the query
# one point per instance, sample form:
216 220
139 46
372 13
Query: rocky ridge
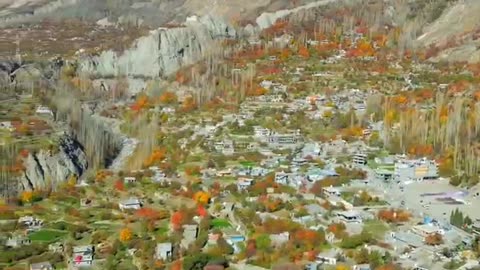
162 52
45 170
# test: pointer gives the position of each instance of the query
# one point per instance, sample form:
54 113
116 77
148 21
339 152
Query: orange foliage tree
119 185
126 235
189 104
168 97
27 196
303 52
308 238
394 216
150 214
421 150
258 91
338 229
156 156
140 104
201 211
177 220
201 197
192 170
434 239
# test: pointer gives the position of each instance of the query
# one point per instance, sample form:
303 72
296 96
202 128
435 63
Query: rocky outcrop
162 52
16 14
267 19
458 24
45 170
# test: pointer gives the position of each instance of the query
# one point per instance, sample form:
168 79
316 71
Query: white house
328 257
41 266
82 256
132 203
163 251
44 110
7 125
129 179
244 183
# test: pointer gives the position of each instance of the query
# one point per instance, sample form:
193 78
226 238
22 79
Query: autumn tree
393 216
119 185
434 239
27 196
192 170
150 214
303 52
126 235
168 97
189 104
201 197
177 220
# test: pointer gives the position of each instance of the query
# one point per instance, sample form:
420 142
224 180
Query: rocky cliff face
44 170
15 12
162 52
267 19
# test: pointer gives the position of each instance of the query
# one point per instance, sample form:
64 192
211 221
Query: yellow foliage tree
126 235
342 267
27 196
201 197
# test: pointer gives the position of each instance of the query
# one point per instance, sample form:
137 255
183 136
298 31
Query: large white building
415 170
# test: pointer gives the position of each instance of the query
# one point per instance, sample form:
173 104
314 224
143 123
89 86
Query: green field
46 235
376 228
220 223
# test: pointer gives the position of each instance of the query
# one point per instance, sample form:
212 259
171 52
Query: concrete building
359 159
350 216
41 266
416 170
383 174
82 256
132 203
163 251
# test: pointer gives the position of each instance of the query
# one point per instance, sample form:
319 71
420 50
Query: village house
56 247
273 161
130 204
362 267
129 180
350 216
158 175
31 223
164 251
331 191
327 257
279 239
425 230
315 174
190 233
384 174
41 266
234 238
7 125
226 147
288 179
260 132
82 256
44 110
244 183
17 241
359 159
225 172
